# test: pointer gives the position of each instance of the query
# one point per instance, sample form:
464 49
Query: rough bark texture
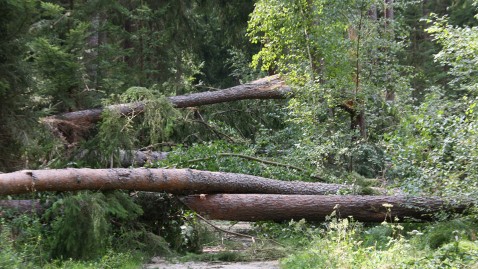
260 207
176 181
266 88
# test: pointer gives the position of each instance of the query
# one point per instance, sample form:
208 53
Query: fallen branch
224 230
256 160
253 239
261 207
250 158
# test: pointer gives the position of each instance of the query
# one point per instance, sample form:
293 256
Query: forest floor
214 265
229 251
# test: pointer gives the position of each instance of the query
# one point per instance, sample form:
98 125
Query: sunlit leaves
332 52
459 51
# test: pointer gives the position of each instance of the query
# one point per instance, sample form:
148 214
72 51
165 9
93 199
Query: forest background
384 95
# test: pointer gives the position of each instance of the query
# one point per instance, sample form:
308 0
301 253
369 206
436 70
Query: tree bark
266 88
72 126
90 55
372 12
261 207
176 181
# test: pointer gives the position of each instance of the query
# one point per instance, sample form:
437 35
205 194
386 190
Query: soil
158 264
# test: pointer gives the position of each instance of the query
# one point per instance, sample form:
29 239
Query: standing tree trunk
357 111
91 54
372 12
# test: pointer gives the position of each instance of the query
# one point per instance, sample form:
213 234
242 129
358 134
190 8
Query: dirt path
242 244
213 265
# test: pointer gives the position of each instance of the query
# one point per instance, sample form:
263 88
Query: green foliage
440 234
459 48
110 260
208 156
21 242
115 133
166 217
341 125
346 244
291 41
61 57
241 69
434 146
16 99
118 132
333 54
81 226
433 150
295 234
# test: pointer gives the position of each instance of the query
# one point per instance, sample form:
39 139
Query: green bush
21 242
345 244
80 224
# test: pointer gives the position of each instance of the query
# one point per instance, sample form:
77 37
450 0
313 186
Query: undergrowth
344 243
86 230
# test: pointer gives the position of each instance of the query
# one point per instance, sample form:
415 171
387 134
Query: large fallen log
266 88
176 181
261 207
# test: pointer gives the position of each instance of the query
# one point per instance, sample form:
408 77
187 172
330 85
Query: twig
226 231
237 234
262 160
157 144
199 159
216 132
252 159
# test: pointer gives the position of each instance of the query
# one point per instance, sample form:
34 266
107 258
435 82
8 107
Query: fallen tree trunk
176 181
266 88
261 207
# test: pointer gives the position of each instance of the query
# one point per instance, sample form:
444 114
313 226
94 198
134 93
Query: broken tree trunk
266 88
261 207
176 181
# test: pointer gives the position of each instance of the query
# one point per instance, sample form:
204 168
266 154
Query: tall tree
338 57
16 100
